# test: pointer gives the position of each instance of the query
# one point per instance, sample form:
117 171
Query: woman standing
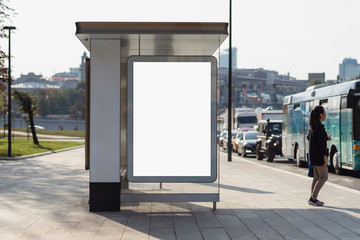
318 153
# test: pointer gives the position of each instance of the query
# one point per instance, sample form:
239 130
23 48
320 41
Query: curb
38 154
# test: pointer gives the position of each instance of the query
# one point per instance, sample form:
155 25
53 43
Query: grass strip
22 146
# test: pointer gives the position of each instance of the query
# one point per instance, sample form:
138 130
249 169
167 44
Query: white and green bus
342 106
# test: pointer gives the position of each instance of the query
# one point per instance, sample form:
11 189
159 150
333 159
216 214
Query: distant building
66 80
254 87
30 77
63 80
348 69
31 81
224 58
74 74
82 66
316 78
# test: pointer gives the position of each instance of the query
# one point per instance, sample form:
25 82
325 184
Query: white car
37 127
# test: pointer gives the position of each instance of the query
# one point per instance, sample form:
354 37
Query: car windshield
275 128
239 134
250 136
233 134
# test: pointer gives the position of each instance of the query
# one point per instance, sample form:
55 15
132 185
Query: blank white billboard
171 119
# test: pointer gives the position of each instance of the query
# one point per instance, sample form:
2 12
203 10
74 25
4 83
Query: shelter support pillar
105 125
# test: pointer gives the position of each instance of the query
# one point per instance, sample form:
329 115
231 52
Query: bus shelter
152 91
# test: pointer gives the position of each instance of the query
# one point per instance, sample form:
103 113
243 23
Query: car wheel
259 155
270 155
238 151
336 164
244 153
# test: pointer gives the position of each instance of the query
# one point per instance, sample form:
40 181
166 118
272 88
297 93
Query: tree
78 110
27 105
58 101
42 106
5 14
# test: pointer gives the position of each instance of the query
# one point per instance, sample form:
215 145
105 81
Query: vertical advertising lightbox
172 119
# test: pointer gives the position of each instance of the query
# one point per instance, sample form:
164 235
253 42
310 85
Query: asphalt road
347 179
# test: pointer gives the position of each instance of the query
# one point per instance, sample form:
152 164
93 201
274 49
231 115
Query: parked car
239 134
269 139
225 140
247 143
221 138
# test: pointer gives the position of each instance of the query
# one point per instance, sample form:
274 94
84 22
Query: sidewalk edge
38 154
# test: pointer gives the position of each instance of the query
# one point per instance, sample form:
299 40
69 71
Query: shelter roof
157 38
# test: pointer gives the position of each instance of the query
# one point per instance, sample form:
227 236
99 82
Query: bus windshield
356 122
247 119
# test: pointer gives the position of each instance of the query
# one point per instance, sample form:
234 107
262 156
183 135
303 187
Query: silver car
247 143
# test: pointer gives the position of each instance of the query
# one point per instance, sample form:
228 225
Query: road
348 179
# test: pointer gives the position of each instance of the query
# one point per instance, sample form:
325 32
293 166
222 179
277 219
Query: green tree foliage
78 110
27 105
5 15
57 101
43 105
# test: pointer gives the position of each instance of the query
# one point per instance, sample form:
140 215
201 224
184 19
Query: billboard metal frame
130 120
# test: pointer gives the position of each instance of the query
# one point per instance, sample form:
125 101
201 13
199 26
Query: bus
342 105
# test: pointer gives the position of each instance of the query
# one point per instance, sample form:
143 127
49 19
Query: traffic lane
348 179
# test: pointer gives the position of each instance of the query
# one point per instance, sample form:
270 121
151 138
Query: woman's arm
321 139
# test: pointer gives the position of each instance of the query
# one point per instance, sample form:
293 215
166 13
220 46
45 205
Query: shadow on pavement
193 221
242 189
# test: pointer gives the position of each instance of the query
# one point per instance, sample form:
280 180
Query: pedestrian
318 153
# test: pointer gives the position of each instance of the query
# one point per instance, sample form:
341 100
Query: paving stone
214 234
162 233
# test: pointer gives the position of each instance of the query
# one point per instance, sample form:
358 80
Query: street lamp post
230 88
9 90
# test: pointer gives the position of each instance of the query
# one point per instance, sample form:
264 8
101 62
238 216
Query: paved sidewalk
47 198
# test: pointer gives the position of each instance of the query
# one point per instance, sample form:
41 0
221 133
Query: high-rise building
349 69
224 58
82 67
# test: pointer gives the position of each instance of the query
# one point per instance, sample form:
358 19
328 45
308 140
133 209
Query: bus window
311 106
356 123
307 108
343 103
324 103
334 103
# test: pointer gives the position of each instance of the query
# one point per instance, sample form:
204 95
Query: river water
51 124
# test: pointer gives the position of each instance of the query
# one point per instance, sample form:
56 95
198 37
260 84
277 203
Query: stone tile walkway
47 198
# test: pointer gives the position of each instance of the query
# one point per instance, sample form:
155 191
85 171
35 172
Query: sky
288 36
